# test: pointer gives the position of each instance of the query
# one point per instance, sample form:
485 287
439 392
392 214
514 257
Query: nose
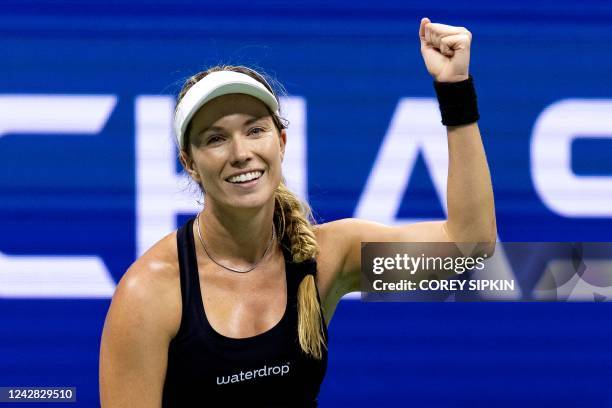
240 153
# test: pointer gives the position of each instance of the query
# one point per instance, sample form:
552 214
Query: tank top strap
188 267
296 271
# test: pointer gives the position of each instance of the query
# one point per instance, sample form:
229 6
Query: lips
244 178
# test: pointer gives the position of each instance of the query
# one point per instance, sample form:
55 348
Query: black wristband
457 100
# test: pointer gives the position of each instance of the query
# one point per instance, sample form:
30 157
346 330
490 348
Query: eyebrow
220 129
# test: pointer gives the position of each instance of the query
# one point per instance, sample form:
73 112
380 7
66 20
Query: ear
283 142
189 166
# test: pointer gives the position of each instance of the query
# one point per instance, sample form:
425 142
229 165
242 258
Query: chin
252 201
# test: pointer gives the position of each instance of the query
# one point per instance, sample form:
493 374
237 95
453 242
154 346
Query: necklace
230 268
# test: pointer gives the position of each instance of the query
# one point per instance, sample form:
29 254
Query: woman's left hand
445 50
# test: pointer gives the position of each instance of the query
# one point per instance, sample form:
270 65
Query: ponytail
292 219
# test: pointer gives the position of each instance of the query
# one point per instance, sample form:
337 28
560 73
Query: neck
238 237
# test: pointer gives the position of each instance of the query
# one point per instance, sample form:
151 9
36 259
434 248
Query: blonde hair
294 223
293 219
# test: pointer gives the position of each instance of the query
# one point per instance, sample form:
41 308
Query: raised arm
471 212
137 332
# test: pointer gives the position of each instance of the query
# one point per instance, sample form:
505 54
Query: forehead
221 110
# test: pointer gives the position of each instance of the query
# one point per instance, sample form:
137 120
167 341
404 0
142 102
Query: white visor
213 85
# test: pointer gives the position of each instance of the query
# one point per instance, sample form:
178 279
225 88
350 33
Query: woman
233 306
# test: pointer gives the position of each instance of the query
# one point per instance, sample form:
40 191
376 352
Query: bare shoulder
332 237
339 257
143 318
334 240
152 285
327 236
160 262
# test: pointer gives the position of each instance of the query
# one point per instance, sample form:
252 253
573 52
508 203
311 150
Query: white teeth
245 177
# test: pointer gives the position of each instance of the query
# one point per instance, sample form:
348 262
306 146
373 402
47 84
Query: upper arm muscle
348 234
134 347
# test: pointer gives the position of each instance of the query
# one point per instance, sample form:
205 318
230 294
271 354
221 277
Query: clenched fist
445 50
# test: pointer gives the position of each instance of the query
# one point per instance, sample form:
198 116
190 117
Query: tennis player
233 307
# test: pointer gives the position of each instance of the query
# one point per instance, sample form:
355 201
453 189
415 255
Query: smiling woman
234 151
242 316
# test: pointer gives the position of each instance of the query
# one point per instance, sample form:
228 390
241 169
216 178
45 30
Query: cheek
205 181
275 159
206 172
276 175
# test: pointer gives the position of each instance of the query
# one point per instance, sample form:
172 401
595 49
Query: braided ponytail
292 219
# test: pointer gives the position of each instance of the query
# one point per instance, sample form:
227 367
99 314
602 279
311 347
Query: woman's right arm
143 317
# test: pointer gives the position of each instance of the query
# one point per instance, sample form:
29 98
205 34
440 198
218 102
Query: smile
245 177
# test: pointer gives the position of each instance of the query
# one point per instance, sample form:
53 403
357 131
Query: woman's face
236 151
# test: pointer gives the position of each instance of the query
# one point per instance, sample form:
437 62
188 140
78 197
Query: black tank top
207 369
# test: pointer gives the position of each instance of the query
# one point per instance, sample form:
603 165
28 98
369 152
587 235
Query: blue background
352 62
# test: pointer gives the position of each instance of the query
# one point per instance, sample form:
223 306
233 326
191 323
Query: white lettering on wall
54 276
415 128
562 191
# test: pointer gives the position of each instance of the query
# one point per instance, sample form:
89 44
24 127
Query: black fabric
207 369
458 103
